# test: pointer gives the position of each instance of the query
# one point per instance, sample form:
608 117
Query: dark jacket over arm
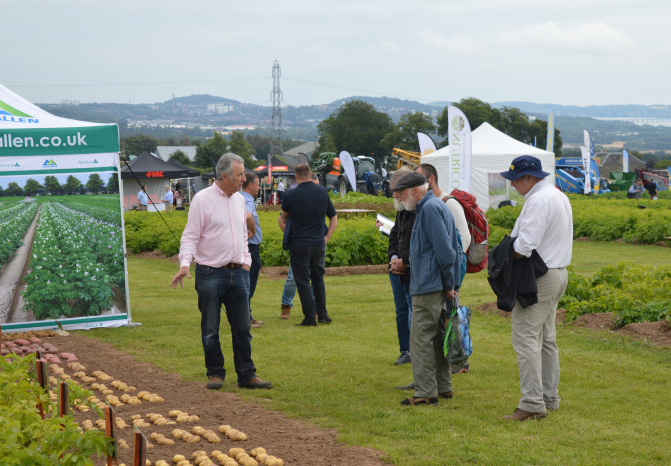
399 241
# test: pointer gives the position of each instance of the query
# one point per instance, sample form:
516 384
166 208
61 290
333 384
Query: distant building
291 156
165 152
612 162
219 108
70 103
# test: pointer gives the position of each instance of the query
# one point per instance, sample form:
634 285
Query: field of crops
76 262
14 222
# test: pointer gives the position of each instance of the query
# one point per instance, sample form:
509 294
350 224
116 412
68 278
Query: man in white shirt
167 200
280 191
143 199
546 225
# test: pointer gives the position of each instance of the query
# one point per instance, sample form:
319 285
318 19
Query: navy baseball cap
525 165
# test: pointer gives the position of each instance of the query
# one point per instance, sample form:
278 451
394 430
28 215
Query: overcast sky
564 52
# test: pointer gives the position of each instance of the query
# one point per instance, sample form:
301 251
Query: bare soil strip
9 282
295 441
652 333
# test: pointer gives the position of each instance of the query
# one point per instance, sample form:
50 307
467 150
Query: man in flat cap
546 225
435 259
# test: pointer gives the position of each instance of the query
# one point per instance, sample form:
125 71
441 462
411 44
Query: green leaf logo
458 123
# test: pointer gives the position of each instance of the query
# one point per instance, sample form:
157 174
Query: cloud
456 43
588 38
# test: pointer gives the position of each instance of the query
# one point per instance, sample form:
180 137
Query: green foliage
241 147
181 157
52 185
147 232
635 293
14 223
136 145
13 189
72 185
509 120
404 133
356 241
663 164
607 217
95 183
76 262
358 128
113 183
208 153
27 439
31 187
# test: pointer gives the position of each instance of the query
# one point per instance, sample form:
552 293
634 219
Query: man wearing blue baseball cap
546 225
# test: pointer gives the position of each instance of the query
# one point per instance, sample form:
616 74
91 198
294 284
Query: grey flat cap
409 180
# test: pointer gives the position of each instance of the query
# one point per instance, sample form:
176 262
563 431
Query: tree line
95 184
243 145
360 129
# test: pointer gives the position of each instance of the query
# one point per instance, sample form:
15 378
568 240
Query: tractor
332 176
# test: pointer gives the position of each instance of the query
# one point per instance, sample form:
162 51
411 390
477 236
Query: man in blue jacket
435 258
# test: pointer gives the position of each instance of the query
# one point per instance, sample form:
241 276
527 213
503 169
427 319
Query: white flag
426 144
586 137
587 169
459 137
348 165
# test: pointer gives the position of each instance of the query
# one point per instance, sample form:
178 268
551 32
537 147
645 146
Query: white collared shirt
546 225
459 220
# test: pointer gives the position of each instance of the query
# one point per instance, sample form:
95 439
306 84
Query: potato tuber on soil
233 452
257 450
177 458
174 413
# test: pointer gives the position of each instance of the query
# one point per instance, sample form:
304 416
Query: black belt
232 266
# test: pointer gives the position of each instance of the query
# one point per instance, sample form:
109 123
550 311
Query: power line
134 84
135 67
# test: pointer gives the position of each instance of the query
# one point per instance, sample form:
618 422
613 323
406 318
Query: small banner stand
42 380
110 426
63 399
139 448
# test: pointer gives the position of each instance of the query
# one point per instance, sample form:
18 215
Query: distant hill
387 102
197 99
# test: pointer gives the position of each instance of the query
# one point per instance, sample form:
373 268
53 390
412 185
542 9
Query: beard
398 205
410 203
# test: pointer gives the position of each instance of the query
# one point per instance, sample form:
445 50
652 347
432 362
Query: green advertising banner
59 141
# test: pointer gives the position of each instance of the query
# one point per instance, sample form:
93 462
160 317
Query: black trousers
307 264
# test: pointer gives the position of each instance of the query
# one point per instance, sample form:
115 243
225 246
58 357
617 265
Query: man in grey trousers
435 258
546 225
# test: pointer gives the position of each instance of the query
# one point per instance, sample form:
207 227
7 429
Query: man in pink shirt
216 237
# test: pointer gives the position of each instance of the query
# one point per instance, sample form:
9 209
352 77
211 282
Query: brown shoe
215 383
253 325
521 415
286 312
260 322
256 382
447 395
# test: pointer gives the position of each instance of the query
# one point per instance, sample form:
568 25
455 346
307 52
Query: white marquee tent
492 153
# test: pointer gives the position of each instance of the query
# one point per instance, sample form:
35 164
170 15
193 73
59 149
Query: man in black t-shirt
652 189
306 206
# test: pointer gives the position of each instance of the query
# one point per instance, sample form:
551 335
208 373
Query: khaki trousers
168 207
533 336
430 369
143 208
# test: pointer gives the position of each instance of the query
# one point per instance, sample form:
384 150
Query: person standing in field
307 205
250 189
143 199
431 174
398 253
168 198
435 256
216 237
545 225
280 190
652 189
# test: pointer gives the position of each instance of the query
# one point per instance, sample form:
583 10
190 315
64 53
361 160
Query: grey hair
397 175
225 164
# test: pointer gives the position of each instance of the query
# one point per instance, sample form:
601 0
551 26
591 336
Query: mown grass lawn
615 393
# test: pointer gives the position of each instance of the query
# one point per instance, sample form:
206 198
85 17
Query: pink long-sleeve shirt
216 232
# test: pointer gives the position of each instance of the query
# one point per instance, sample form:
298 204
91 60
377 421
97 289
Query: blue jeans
403 304
254 250
230 287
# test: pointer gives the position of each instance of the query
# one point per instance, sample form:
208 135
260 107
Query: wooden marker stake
110 425
139 449
42 379
63 399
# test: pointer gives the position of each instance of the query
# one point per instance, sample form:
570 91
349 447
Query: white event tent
491 154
